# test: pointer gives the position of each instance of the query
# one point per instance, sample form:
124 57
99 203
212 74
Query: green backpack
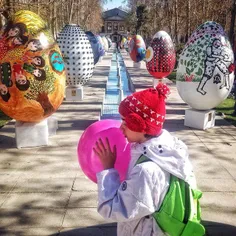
179 214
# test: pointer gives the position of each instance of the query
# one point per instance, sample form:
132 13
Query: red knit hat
145 111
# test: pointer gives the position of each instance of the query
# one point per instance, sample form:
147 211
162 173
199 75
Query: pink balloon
89 161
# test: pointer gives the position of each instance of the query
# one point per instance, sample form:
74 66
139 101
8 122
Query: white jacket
132 202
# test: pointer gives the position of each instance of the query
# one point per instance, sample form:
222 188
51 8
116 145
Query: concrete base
155 82
52 125
137 64
30 134
199 119
74 93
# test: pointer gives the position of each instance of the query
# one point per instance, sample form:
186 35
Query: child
132 202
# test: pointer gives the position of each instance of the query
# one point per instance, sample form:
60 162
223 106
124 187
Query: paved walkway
44 192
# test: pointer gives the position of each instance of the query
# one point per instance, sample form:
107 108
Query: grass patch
4 119
227 108
172 76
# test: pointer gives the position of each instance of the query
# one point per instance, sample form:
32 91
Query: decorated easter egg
78 55
101 46
160 55
126 46
32 81
105 43
123 41
137 48
94 44
205 71
109 41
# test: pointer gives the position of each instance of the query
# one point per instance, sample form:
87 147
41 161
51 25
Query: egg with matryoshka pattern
160 55
78 55
205 71
137 48
32 71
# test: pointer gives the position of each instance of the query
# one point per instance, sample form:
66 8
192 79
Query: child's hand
106 156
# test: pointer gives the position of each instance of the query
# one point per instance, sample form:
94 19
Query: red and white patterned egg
160 55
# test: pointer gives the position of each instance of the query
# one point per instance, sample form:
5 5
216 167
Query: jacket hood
170 153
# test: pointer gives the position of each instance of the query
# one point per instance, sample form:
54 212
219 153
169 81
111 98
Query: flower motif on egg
208 60
32 84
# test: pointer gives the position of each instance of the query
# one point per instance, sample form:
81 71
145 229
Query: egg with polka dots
78 55
32 70
160 56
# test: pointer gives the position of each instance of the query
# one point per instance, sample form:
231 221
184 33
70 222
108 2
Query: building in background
114 24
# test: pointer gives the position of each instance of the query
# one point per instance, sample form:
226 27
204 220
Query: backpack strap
142 159
179 213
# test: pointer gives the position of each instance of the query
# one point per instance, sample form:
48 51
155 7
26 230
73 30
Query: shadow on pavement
96 230
212 229
219 229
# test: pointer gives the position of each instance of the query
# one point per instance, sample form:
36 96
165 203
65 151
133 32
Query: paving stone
33 185
82 217
83 199
31 218
36 200
28 231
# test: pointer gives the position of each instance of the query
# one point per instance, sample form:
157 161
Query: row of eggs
205 71
34 68
160 56
33 72
81 51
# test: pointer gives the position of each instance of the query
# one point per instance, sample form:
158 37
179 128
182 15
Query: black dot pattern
77 53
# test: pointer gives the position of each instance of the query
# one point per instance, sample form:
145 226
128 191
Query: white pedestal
137 64
31 134
74 93
52 125
199 119
155 82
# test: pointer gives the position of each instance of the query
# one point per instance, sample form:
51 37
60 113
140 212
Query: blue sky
113 4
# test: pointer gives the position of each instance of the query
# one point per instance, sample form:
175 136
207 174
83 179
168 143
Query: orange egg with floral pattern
32 71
